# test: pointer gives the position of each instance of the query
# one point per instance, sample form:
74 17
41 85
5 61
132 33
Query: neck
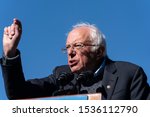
98 64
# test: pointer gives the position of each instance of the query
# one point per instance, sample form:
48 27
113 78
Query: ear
100 52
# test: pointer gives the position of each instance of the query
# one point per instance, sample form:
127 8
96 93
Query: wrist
10 54
10 60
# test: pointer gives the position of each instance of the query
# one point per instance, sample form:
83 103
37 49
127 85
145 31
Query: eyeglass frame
76 46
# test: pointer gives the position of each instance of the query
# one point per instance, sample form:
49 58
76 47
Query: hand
11 38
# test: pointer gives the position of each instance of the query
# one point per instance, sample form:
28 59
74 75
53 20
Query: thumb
18 24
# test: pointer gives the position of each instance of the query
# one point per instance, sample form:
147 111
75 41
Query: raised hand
11 38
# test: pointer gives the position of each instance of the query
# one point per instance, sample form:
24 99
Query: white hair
96 36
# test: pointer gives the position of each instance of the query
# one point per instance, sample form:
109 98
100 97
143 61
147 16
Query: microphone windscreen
85 76
64 78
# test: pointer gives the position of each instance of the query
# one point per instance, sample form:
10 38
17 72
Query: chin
75 69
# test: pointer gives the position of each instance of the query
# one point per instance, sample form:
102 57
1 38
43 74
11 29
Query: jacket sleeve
18 88
139 86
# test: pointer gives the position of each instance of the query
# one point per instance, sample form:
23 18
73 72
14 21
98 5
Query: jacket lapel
109 79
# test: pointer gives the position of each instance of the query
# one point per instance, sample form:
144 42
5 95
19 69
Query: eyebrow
75 43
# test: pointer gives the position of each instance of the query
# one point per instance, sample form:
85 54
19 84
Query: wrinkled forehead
80 34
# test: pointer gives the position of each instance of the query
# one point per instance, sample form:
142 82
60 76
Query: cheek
83 60
87 60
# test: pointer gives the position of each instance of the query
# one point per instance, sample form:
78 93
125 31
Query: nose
71 52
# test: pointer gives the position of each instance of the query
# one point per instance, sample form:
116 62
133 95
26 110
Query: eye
68 46
78 45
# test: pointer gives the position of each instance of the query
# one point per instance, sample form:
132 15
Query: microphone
64 78
85 77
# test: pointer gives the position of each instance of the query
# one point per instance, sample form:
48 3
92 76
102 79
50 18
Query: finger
12 29
6 31
8 28
9 32
17 23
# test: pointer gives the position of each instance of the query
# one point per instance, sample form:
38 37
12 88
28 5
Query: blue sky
125 24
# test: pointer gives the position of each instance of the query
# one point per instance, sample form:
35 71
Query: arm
17 88
15 84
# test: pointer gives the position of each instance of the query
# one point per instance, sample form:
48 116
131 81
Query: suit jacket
121 81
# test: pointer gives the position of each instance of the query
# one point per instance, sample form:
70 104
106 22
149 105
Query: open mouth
73 63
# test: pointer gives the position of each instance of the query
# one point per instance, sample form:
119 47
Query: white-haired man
87 57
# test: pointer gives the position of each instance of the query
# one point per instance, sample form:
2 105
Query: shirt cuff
10 61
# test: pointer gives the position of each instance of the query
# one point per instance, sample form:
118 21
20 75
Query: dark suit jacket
121 81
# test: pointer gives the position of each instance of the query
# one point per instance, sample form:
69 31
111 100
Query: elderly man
89 69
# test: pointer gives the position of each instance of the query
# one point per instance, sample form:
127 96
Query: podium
94 96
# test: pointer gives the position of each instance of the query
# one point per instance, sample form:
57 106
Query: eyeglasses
75 46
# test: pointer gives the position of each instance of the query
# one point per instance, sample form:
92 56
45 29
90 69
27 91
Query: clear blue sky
125 24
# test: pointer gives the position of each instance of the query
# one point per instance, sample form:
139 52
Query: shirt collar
101 68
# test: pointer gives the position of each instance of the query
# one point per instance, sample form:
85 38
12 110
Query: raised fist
11 38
